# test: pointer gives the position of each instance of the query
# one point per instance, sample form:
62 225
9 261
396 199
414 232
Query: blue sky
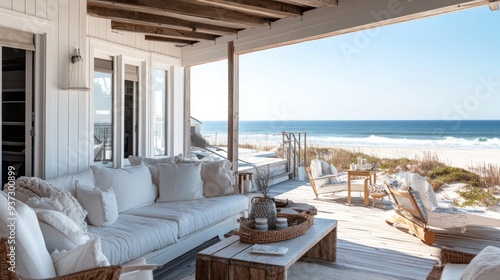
439 68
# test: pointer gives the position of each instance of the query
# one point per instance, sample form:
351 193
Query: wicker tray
297 225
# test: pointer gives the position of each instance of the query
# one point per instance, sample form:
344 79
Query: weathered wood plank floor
365 241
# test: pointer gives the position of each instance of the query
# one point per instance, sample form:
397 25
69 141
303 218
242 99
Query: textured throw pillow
484 266
180 182
32 259
151 163
82 257
217 178
63 224
44 203
102 210
36 187
132 185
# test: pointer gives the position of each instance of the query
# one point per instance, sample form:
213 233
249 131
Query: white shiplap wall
64 127
66 136
101 29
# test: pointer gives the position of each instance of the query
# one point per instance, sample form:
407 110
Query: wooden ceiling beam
266 8
312 3
182 9
173 33
157 20
168 40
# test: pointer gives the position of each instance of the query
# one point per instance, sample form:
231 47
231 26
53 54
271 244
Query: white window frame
173 98
121 55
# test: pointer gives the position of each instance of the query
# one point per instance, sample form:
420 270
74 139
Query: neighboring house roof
195 121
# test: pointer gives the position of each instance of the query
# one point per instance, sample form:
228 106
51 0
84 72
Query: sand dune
456 158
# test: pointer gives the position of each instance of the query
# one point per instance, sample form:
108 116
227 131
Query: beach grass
481 183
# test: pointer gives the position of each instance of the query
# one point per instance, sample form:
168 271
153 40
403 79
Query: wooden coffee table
231 259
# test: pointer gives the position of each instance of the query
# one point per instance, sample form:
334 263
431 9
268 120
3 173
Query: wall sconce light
77 79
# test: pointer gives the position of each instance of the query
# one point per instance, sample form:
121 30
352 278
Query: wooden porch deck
366 242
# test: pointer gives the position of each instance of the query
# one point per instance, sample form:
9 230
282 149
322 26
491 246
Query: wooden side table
376 196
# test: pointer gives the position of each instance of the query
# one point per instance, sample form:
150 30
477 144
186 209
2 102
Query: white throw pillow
333 169
151 163
180 182
484 266
132 185
86 256
325 168
316 169
32 259
101 206
217 178
67 227
420 184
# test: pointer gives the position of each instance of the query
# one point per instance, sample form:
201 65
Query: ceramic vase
264 207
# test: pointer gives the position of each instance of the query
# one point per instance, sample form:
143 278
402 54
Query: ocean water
466 135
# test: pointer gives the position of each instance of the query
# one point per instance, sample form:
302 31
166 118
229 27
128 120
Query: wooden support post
187 111
233 105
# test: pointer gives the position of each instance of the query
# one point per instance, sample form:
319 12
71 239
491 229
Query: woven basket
297 225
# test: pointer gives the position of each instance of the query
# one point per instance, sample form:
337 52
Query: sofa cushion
485 265
132 185
131 237
217 178
453 271
32 259
194 215
101 206
83 257
180 182
152 164
85 178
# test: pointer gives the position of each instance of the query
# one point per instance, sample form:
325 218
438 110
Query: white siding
65 125
101 29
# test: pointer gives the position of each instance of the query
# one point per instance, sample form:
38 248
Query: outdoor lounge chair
417 207
332 182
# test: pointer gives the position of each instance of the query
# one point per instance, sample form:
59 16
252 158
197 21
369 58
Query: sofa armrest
137 269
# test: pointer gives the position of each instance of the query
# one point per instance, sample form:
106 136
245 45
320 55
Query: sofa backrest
85 179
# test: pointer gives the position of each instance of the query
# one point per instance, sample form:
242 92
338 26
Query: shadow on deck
366 242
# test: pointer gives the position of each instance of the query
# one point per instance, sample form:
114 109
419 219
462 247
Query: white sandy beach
456 158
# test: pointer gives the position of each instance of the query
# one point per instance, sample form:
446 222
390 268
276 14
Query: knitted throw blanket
36 187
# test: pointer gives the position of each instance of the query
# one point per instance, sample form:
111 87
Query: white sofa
159 222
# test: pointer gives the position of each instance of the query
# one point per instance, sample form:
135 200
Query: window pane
160 105
103 117
131 119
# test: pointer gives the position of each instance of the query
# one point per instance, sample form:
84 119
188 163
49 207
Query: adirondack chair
330 183
416 206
